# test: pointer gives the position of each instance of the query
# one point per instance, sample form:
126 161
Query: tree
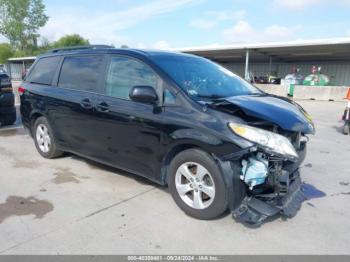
44 46
20 21
5 52
70 40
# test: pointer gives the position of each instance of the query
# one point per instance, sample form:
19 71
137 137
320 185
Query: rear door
129 131
78 82
39 84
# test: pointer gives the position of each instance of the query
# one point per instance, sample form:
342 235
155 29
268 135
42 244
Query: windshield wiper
221 102
214 100
211 96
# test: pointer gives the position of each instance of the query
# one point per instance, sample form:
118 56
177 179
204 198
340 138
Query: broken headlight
271 141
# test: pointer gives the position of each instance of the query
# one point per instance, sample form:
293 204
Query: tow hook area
255 211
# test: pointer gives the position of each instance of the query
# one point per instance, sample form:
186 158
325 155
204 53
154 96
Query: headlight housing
271 141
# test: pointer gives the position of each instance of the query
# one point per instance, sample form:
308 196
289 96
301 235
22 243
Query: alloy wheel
195 185
43 138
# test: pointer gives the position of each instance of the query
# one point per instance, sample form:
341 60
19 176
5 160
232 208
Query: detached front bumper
254 210
282 193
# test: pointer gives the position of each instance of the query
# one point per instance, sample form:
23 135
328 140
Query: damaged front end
268 170
272 181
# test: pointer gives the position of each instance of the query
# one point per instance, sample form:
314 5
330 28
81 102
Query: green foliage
44 46
5 52
20 21
21 53
124 46
70 40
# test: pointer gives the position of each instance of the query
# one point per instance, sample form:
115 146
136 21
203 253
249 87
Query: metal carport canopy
337 49
21 59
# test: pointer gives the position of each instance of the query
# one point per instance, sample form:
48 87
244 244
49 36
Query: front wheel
44 140
196 184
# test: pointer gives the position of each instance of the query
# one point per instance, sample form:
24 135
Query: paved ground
72 206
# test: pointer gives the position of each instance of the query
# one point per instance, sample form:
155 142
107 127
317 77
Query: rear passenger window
82 73
44 70
124 73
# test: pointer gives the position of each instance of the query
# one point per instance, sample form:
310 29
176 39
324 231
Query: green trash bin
291 90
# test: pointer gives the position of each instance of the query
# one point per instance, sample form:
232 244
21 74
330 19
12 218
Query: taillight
21 90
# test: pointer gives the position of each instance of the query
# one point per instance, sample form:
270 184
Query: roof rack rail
82 47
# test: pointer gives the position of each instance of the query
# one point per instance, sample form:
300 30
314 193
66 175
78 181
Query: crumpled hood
280 111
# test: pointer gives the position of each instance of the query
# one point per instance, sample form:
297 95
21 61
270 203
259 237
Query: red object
348 95
21 90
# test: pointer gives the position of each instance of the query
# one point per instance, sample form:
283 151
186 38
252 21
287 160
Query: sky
166 24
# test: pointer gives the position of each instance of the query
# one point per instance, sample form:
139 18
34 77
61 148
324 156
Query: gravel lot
74 206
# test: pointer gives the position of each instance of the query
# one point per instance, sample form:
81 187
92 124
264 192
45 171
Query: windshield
201 78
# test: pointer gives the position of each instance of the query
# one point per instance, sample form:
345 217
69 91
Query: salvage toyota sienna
179 120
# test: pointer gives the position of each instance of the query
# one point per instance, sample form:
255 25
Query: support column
10 69
270 65
23 69
246 73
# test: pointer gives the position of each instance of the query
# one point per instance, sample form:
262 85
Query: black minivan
180 120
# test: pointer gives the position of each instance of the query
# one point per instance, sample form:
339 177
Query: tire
7 116
346 129
44 140
211 207
7 100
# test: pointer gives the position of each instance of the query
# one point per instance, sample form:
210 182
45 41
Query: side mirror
143 94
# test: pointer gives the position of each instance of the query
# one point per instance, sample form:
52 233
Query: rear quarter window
44 70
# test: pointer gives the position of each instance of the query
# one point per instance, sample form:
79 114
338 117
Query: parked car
179 120
7 100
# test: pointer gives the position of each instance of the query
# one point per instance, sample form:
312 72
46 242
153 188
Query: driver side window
124 73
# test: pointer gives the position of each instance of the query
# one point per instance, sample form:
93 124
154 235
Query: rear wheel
196 184
346 129
7 100
7 116
44 140
8 121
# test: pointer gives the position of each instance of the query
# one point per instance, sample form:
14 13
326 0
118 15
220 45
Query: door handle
86 103
102 107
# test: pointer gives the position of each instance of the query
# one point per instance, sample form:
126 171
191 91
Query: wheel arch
175 150
230 170
33 117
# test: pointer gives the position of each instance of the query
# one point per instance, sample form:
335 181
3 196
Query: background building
333 55
15 67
